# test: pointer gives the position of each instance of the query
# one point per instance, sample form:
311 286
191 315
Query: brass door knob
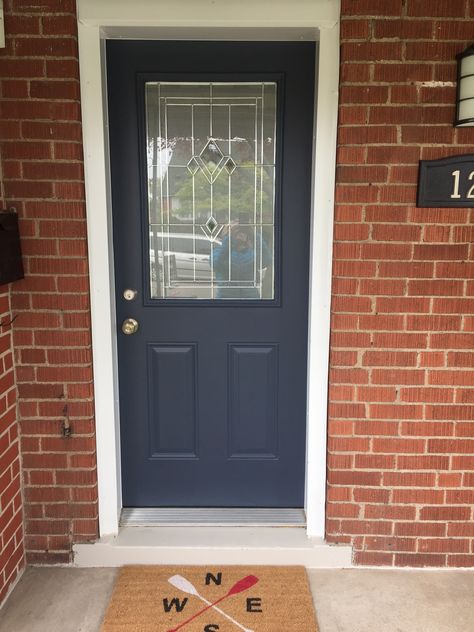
130 326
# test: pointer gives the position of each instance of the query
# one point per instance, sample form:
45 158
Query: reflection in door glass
211 189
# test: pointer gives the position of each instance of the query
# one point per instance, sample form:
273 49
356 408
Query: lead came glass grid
211 189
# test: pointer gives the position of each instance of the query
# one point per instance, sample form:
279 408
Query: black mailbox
11 265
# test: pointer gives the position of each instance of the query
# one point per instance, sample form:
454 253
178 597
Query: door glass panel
211 189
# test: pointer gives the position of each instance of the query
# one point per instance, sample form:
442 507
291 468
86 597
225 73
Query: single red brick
57 89
359 193
426 322
461 529
343 444
381 322
46 47
401 446
465 396
343 358
386 251
395 358
403 305
419 559
390 544
69 151
449 480
453 413
51 131
394 115
343 322
62 68
453 305
376 394
15 88
52 171
366 135
398 194
371 51
363 94
349 376
403 29
350 155
463 462
461 561
424 135
436 8
435 288
460 496
396 340
356 527
427 429
437 234
445 513
389 512
402 73
49 557
27 189
371 495
451 446
354 478
420 529
390 232
342 510
432 51
395 411
354 73
354 268
452 341
425 395
46 494
378 427
378 287
60 25
371 558
371 461
341 393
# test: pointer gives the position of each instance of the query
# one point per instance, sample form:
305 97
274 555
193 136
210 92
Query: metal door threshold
193 517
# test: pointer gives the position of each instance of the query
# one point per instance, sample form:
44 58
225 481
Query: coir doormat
211 599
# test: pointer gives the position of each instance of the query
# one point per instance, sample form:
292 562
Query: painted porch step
212 545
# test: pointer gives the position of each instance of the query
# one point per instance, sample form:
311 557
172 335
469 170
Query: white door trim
205 19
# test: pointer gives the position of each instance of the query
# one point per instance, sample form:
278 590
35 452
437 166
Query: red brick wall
43 177
12 555
401 430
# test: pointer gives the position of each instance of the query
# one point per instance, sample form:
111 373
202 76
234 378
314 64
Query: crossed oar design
180 582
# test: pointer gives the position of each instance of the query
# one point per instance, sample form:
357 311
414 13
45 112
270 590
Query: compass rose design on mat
180 582
202 599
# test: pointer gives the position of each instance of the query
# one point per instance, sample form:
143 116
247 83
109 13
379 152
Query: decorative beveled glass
211 189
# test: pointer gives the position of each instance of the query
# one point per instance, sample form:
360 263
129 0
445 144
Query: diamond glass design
230 166
211 161
212 229
193 166
211 224
211 155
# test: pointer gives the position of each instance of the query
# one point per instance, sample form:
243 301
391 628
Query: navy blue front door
211 146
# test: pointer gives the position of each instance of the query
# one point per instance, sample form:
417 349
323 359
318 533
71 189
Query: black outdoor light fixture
465 89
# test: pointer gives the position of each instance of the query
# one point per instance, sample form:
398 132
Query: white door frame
205 19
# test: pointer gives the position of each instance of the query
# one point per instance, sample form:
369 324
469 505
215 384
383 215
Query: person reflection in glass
249 257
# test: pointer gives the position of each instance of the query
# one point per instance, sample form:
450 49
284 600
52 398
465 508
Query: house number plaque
446 182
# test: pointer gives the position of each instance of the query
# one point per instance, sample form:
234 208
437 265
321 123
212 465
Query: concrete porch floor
354 600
